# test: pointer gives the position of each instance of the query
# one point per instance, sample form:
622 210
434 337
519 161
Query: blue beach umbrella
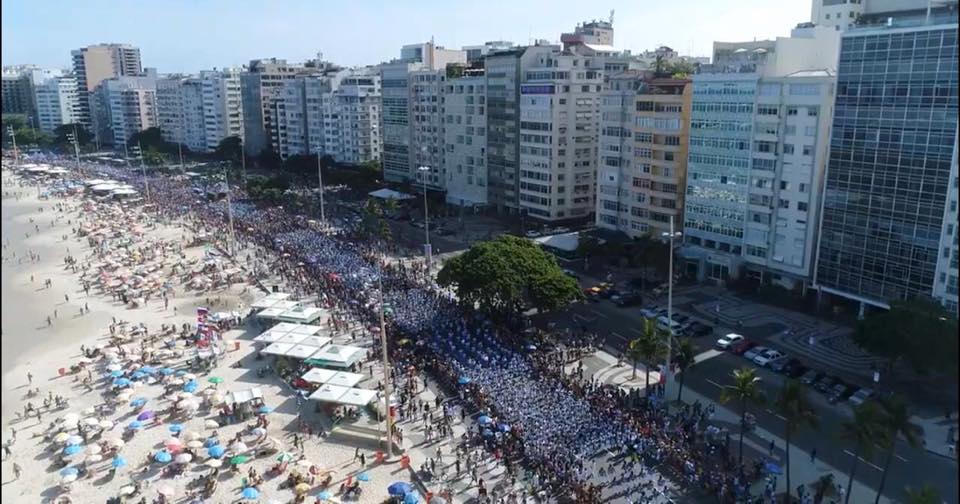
148 369
138 402
138 375
67 471
484 420
163 457
411 497
72 450
363 477
134 425
503 427
216 451
118 462
175 427
463 380
399 489
324 495
772 468
190 386
116 374
166 371
122 382
264 410
250 493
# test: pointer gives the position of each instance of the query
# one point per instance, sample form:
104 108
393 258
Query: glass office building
888 183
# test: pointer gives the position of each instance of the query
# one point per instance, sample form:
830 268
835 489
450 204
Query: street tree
793 405
745 391
923 495
64 132
505 275
230 149
648 347
907 331
896 422
151 138
864 431
684 356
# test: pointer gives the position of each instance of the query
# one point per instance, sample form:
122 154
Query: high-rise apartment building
842 15
180 111
889 221
260 85
465 138
757 153
123 106
18 91
222 106
644 128
57 102
475 53
93 64
503 73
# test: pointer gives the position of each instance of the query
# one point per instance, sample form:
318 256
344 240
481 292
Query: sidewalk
803 469
937 435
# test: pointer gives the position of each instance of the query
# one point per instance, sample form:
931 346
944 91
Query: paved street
911 466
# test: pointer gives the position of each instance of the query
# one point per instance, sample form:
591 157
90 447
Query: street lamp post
16 152
323 218
426 219
667 370
232 246
386 369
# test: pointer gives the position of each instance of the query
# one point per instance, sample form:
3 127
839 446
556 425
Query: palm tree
925 495
865 429
685 357
647 347
896 422
745 390
792 404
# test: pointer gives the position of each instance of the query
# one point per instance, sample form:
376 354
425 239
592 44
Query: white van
663 323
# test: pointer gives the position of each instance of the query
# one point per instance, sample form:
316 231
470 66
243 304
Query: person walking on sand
17 471
29 374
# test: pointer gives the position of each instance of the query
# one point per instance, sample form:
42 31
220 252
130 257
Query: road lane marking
706 355
848 452
900 458
595 312
638 331
714 383
775 414
619 336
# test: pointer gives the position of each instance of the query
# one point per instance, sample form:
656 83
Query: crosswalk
603 367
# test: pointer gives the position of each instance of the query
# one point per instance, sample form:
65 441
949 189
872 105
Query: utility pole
16 152
428 251
243 161
143 168
667 370
76 145
180 152
323 218
386 368
230 247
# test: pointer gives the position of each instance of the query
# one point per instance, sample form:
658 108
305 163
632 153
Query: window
802 188
788 148
767 110
807 150
784 185
810 131
802 206
791 111
784 203
790 130
812 112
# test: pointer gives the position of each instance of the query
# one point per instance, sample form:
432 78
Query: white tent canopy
309 330
300 314
242 396
339 356
292 338
318 375
277 309
301 351
317 341
390 194
358 397
269 336
270 300
278 348
345 379
328 393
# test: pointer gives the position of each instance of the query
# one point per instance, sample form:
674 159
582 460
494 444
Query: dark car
825 384
608 293
841 392
741 347
680 318
628 299
443 232
698 330
811 377
777 365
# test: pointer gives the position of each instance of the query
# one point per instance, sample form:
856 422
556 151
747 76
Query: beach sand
30 346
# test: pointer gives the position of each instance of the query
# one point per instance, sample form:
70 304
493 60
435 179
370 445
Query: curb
942 455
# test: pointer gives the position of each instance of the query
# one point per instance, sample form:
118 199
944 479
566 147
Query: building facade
93 64
260 85
351 118
124 105
889 211
465 140
57 102
644 125
222 106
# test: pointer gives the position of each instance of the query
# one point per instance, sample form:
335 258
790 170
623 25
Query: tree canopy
269 189
506 275
151 139
230 149
63 133
919 332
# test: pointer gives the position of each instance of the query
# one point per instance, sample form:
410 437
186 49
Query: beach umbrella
399 489
173 442
166 371
175 427
70 478
166 491
211 442
163 457
180 373
263 410
114 367
116 374
305 463
70 418
301 488
463 380
250 493
484 420
487 433
189 404
184 458
189 376
772 468
216 451
239 459
363 477
258 431
213 463
146 415
94 449
239 447
96 457
66 471
124 394
215 380
148 369
411 498
72 450
116 442
106 424
324 495
195 445
191 386
122 382
191 436
503 427
118 462
61 438
138 402
285 457
138 375
92 421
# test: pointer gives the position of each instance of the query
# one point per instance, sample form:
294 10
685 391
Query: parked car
533 233
811 377
743 346
753 352
697 329
841 392
628 299
728 341
665 324
861 396
779 365
609 292
443 232
795 369
825 384
764 358
653 312
560 230
681 318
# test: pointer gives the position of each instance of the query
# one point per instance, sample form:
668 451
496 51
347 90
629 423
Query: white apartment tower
57 102
758 148
465 139
260 85
123 106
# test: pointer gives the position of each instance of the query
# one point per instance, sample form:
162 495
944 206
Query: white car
728 341
753 352
860 396
767 357
532 233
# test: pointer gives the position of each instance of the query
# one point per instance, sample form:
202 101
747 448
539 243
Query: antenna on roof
611 16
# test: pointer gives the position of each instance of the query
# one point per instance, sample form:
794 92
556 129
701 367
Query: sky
189 36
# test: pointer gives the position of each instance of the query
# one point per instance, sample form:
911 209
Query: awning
307 329
270 300
318 375
278 348
269 336
292 338
242 396
301 351
300 314
317 341
329 393
344 379
339 356
358 397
